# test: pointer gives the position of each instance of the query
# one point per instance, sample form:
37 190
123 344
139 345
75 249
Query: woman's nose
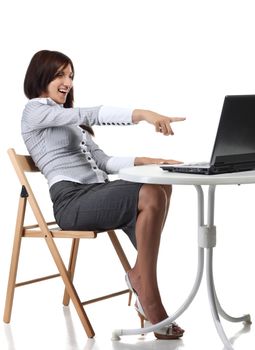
68 81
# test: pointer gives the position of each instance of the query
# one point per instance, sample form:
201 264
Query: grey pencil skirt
97 207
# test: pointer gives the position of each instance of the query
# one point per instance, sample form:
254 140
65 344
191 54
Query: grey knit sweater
64 151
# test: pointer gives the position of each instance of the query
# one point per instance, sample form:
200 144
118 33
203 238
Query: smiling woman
59 139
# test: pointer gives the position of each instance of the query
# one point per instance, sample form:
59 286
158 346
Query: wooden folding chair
48 231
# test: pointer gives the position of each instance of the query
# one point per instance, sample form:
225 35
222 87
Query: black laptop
234 146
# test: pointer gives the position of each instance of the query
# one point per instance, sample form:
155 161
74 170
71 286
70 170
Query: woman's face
59 88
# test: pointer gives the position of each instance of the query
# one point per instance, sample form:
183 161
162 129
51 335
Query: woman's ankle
135 280
149 298
155 312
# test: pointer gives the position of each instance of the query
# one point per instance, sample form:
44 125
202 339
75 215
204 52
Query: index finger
177 119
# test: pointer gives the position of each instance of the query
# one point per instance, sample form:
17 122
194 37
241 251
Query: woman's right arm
42 113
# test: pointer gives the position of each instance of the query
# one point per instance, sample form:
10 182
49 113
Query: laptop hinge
235 159
235 162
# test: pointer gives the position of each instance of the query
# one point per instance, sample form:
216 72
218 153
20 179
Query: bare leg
153 206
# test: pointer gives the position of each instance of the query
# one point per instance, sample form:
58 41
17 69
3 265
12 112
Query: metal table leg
209 242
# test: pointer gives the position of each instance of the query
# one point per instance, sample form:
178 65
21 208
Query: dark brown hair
42 70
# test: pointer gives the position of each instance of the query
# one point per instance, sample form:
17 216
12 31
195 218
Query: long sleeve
40 113
114 164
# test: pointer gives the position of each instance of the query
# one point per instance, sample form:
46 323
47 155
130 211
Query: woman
59 139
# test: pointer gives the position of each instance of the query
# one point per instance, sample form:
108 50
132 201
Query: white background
179 58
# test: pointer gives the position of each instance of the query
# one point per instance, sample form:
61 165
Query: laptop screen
235 139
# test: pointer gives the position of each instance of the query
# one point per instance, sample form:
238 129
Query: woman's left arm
109 164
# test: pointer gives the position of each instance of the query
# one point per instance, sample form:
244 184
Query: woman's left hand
147 160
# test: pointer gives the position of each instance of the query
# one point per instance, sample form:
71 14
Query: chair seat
35 231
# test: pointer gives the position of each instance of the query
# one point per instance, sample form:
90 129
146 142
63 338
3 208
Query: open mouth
63 91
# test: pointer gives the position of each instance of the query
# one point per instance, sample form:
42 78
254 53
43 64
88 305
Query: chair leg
14 260
122 256
118 248
71 267
70 287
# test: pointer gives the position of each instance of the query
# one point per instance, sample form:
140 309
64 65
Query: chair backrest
23 164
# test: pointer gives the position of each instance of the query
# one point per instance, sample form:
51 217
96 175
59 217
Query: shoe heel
130 297
142 319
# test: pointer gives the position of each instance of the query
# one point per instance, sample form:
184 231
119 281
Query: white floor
39 321
48 325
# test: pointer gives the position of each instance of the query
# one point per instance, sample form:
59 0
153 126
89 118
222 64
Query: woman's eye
61 74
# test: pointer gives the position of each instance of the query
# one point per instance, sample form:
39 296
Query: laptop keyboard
196 164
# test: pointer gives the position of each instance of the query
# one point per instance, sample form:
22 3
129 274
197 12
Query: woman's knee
153 196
